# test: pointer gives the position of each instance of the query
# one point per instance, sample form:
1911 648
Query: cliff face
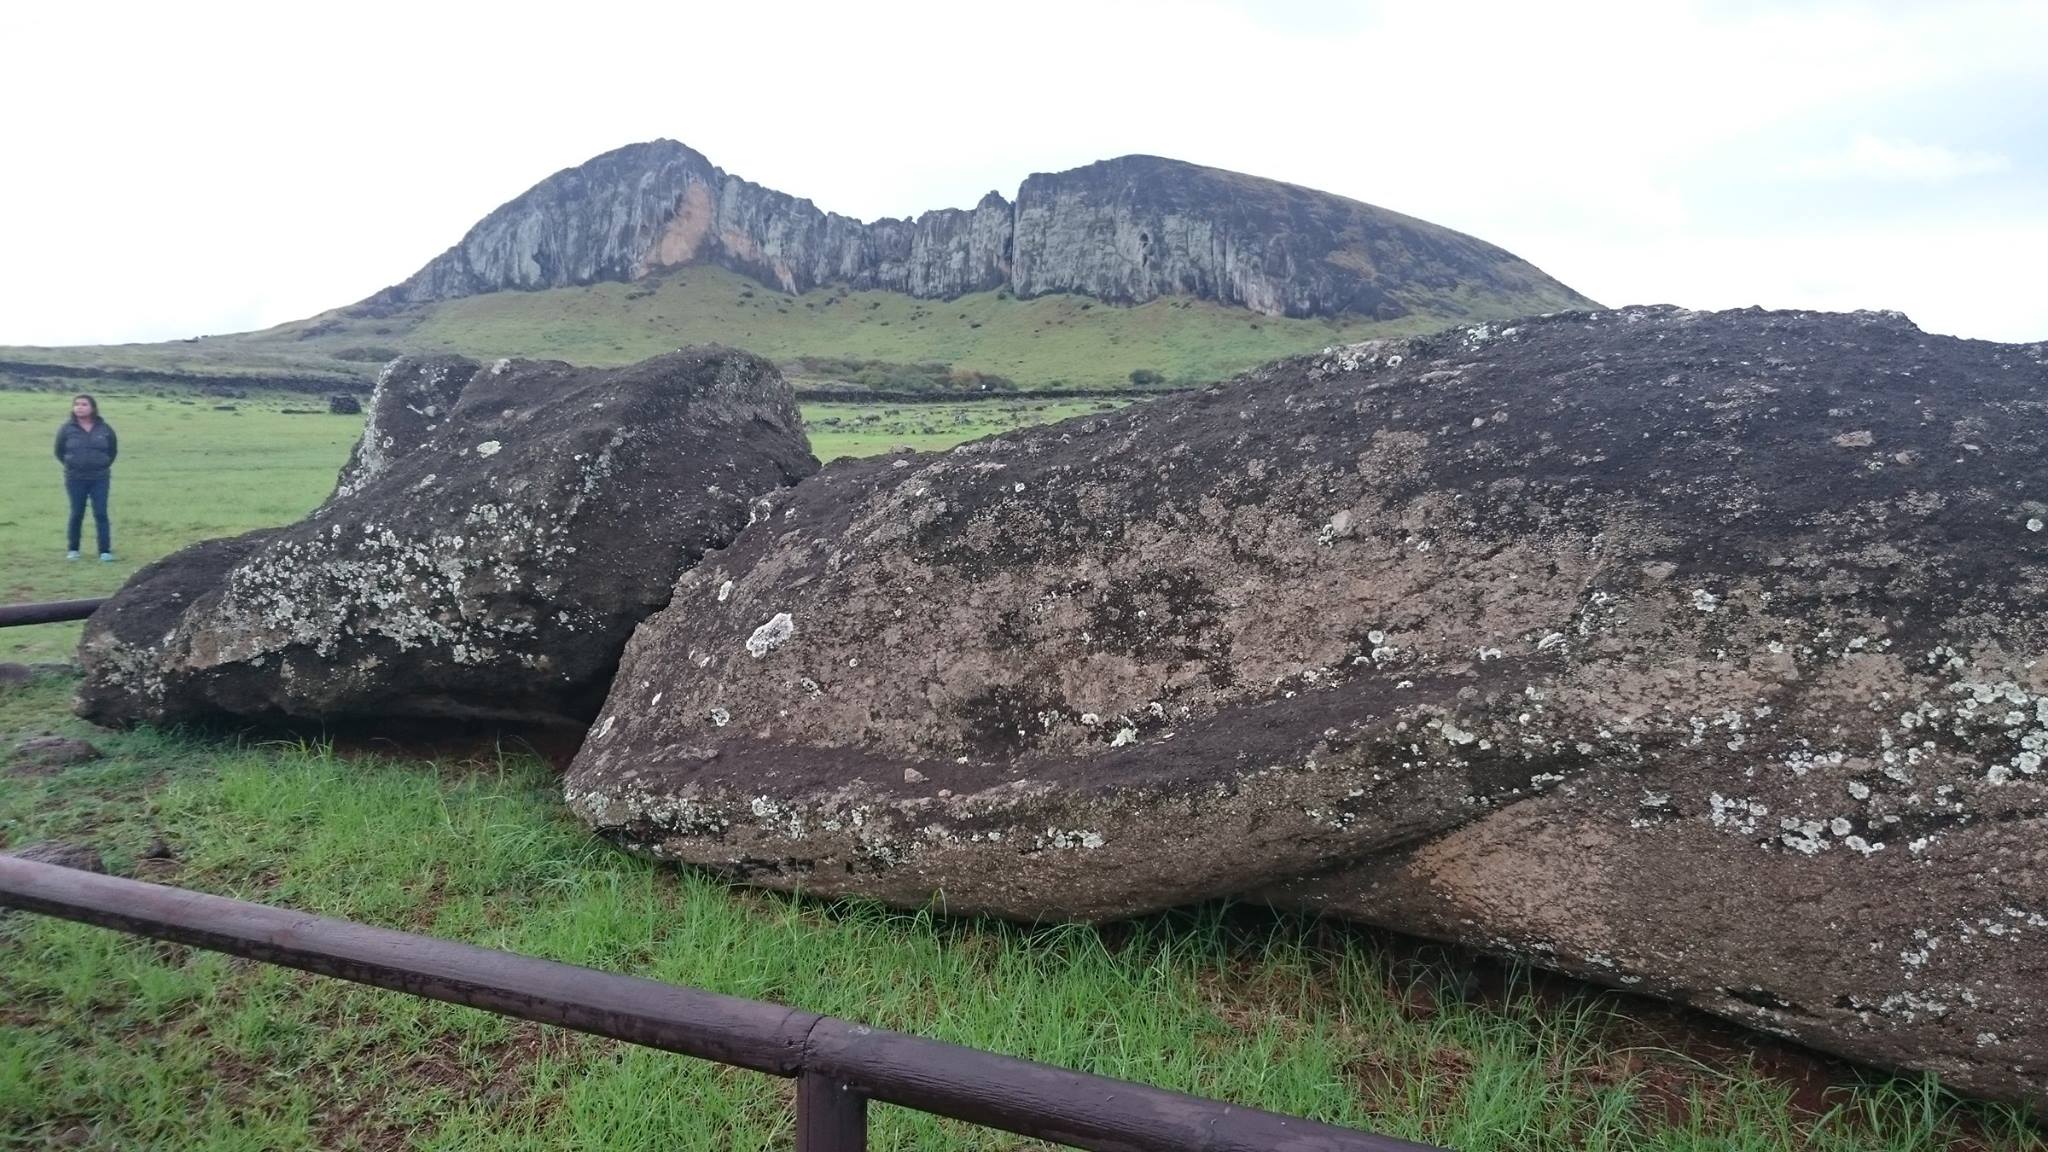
1140 227
1126 230
651 206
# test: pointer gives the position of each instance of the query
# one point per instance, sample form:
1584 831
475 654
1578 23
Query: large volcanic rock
1698 653
492 542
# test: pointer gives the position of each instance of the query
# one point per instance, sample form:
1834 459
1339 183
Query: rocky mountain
1126 230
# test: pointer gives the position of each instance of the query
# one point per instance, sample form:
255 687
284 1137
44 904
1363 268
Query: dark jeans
82 489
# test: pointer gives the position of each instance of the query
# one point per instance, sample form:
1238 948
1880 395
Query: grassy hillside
1050 341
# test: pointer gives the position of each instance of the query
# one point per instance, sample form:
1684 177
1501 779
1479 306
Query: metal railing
53 612
839 1066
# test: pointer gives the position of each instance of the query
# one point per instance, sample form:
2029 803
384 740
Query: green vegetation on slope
108 1041
1049 341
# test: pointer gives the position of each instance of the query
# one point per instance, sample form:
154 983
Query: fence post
830 1117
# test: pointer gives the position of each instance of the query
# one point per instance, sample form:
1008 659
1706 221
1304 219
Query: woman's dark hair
87 397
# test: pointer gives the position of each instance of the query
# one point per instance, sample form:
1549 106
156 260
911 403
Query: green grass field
191 471
1049 341
109 1042
865 429
187 472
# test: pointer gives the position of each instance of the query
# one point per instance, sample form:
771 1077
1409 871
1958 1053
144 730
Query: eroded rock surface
1137 228
495 537
39 754
413 397
1697 653
1130 230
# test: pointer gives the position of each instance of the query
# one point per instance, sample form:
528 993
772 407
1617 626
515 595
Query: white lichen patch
1737 814
772 635
1456 735
1069 839
1802 836
488 448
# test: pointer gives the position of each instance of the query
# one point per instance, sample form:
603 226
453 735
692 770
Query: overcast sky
177 169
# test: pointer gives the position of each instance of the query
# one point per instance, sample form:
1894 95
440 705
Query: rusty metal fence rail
53 612
839 1066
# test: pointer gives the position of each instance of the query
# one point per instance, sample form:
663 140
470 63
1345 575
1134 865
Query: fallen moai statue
494 539
1701 654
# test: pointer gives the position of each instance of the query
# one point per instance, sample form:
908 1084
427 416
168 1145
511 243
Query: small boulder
48 753
62 855
342 404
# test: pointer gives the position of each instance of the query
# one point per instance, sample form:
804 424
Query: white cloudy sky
175 169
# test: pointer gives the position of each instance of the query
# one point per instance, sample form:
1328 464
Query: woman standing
86 447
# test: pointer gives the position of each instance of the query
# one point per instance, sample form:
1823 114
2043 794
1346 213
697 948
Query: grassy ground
1043 342
188 471
110 1042
107 1042
191 471
865 429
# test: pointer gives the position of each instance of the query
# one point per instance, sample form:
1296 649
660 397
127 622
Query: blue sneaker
71 555
106 557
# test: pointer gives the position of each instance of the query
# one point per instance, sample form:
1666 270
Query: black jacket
87 453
